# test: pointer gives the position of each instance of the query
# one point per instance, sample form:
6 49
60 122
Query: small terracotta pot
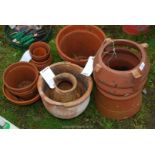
71 109
135 29
76 43
39 51
20 77
118 107
17 100
41 65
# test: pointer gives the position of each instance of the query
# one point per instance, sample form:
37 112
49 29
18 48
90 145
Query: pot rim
74 85
136 45
114 97
67 104
32 66
26 102
62 54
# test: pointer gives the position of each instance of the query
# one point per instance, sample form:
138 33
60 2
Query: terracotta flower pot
76 43
39 51
121 68
135 29
41 56
63 109
20 77
17 100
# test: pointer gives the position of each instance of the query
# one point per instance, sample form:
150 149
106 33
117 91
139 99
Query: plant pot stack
121 68
41 54
135 29
71 95
20 83
76 43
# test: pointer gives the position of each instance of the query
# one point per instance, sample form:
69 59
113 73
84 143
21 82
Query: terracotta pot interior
64 83
20 77
80 44
40 51
123 59
82 83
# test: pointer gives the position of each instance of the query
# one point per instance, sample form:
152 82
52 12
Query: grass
36 116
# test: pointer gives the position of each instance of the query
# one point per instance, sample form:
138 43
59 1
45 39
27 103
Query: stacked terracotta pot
20 83
41 54
121 68
71 95
76 43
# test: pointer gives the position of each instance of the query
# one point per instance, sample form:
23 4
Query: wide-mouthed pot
75 43
20 77
74 103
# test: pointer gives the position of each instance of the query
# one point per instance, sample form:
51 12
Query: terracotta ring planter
76 43
121 74
66 89
71 109
20 77
135 29
39 51
17 100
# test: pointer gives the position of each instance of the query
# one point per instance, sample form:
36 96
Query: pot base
18 101
120 108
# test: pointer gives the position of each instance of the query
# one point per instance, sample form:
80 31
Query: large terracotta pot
76 43
121 68
41 54
135 29
62 108
20 83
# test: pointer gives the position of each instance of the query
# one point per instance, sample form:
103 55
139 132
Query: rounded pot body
63 109
121 72
119 107
76 43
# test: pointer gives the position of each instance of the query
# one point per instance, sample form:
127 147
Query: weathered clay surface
121 68
71 109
